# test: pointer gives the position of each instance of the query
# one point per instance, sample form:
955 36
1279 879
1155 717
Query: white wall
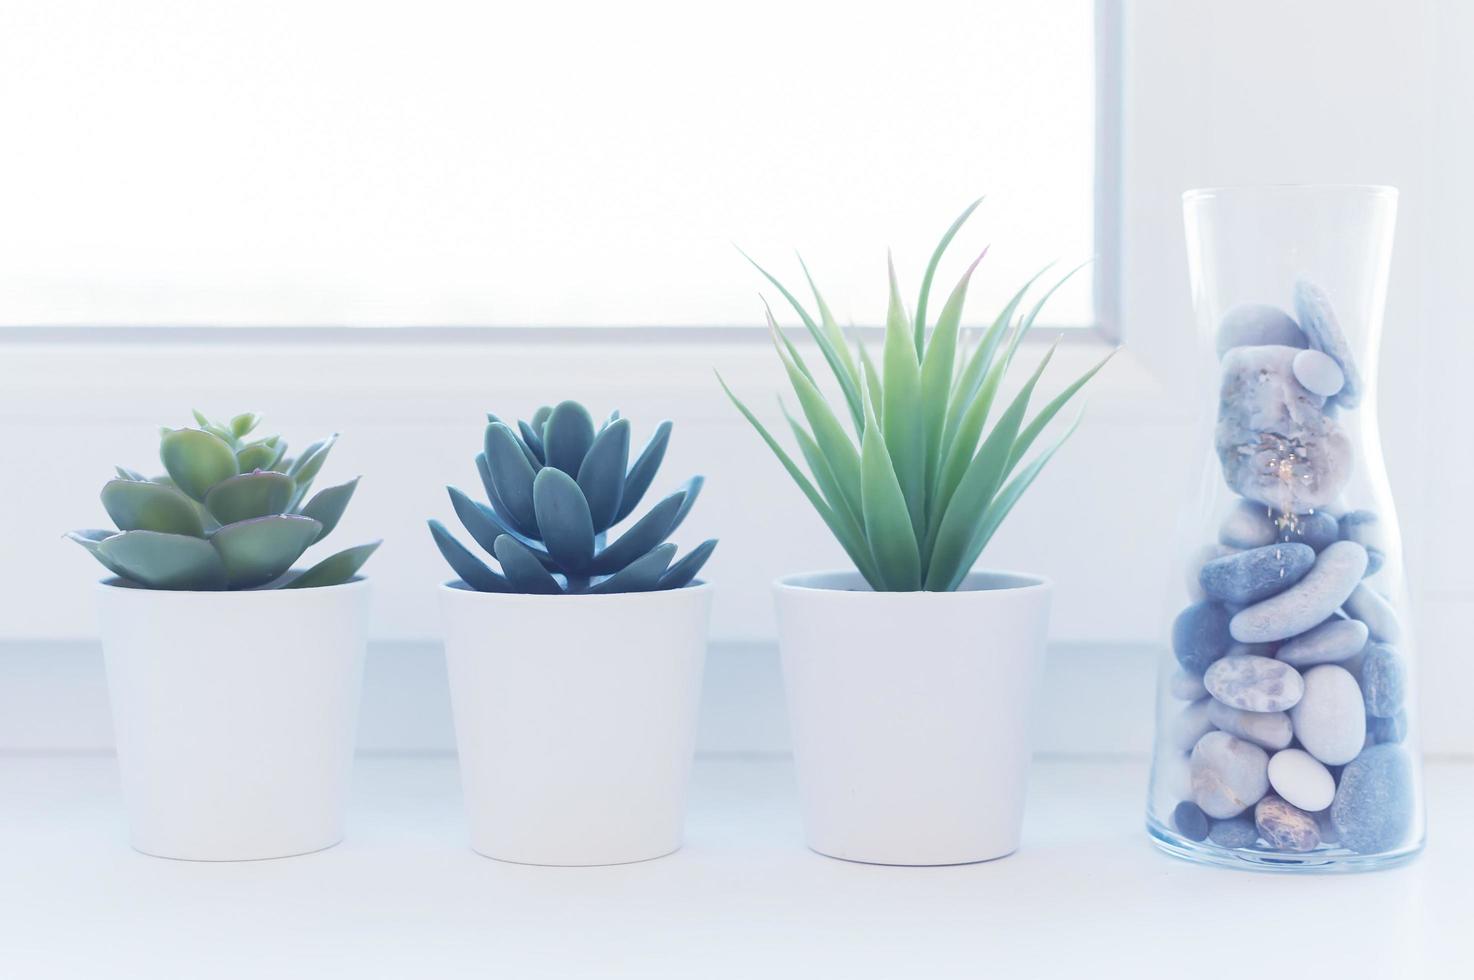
1254 91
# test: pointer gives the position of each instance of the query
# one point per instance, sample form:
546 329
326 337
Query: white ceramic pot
911 713
575 719
234 715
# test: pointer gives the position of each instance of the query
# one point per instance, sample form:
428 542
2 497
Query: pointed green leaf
263 548
641 575
533 441
843 373
1048 412
563 519
124 473
196 460
522 568
257 494
472 570
902 421
135 506
642 473
979 485
328 505
680 574
824 476
511 478
643 536
931 271
242 425
91 539
874 388
164 561
486 525
831 328
601 476
937 374
306 467
856 548
888 525
567 436
334 569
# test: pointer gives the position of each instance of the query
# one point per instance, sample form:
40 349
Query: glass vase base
1322 860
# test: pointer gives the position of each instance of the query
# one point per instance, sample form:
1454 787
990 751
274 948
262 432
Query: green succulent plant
229 513
557 486
917 493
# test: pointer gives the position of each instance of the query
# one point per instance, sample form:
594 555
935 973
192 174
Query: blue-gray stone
1308 603
1259 684
1229 775
1276 444
1382 730
1259 573
1285 827
1248 525
1369 606
1319 323
1200 635
1363 527
1383 679
1333 641
1190 821
1257 324
1317 529
1236 831
1373 811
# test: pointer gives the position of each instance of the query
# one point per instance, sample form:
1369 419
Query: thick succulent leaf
522 568
563 520
937 373
567 436
511 476
256 456
692 489
679 575
164 561
1002 504
263 548
848 383
213 428
613 417
327 506
244 424
931 271
642 473
902 421
601 476
486 525
841 457
135 506
304 468
472 570
533 441
124 473
196 460
540 419
854 546
985 473
90 539
258 494
334 569
641 575
888 526
642 536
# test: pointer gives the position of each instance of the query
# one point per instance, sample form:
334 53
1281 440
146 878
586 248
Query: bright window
327 162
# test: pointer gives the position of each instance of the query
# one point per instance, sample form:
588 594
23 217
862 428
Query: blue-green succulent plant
557 486
229 513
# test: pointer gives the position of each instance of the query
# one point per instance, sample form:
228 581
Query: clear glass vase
1287 728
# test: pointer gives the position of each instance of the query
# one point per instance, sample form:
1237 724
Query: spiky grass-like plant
919 491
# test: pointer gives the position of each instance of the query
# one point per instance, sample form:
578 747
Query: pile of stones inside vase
1289 659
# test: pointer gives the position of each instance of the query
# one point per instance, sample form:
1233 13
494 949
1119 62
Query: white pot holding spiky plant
575 671
910 681
234 680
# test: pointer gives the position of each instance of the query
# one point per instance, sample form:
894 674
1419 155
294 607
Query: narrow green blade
334 569
931 271
937 375
901 404
888 524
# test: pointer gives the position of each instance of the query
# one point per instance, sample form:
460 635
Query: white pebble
1330 719
1300 779
1318 373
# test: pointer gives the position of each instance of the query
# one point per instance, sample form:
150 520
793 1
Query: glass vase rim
1206 193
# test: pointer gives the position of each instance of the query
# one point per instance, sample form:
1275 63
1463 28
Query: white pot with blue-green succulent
575 665
234 677
911 678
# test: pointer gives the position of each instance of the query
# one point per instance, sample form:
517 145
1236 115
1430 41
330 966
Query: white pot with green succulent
234 679
910 679
575 670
